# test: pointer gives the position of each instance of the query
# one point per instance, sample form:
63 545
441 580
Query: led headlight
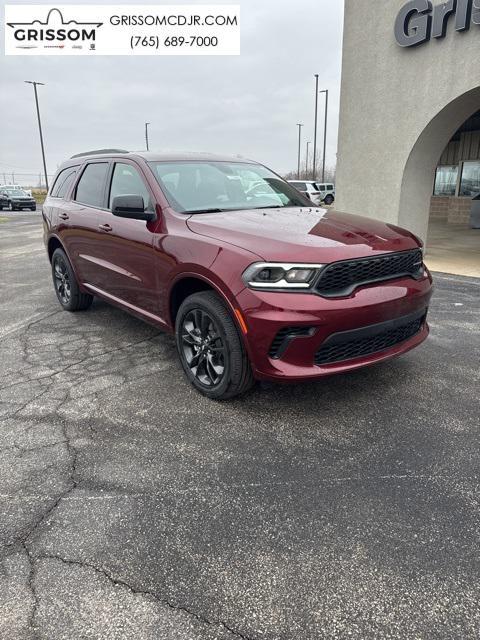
275 275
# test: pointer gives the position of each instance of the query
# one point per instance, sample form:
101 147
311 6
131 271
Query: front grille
372 339
285 336
341 278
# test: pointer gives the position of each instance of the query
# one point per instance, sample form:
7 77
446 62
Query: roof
171 156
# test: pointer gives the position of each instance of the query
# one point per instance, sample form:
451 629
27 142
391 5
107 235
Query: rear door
81 217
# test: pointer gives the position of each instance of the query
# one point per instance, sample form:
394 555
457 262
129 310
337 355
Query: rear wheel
329 199
66 285
210 348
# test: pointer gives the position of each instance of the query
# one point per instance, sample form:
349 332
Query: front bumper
23 204
267 313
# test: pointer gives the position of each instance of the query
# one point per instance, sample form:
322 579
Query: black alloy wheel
203 348
66 286
210 347
62 280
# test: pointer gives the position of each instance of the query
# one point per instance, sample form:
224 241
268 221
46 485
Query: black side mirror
132 207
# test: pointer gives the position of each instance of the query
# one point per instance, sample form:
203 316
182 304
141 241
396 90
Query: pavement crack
51 376
146 593
25 540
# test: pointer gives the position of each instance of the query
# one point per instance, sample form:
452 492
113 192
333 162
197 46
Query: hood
303 235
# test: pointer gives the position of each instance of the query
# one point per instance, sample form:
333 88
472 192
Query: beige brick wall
460 209
450 209
439 206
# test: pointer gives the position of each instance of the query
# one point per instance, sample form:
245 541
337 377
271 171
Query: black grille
285 336
372 339
341 278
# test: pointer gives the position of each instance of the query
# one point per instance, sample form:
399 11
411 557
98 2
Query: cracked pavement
131 507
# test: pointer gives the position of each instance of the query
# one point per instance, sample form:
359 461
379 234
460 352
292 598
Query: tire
329 199
66 285
33 208
204 327
11 207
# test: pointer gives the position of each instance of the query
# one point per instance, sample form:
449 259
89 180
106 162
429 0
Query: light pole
146 135
40 127
314 172
299 148
306 160
325 91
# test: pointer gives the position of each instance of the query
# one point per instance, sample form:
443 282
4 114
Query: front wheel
66 285
11 207
210 348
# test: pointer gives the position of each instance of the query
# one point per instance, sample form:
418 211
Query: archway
419 173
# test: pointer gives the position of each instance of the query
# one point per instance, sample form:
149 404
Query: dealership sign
122 29
419 20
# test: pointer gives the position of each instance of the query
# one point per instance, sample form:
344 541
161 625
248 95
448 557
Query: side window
301 186
63 182
91 186
126 181
330 187
66 183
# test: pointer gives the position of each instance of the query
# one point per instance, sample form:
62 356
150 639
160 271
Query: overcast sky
247 104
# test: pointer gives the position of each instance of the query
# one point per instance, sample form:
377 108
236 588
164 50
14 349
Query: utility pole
299 148
306 160
146 135
325 91
40 127
314 172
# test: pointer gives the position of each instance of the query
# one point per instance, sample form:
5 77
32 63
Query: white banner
122 30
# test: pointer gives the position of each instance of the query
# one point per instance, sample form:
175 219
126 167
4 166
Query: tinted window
90 189
446 181
301 186
330 187
126 180
470 181
63 182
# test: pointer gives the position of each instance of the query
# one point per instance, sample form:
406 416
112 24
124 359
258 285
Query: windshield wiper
205 211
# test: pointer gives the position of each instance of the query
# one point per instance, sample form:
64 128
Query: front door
126 257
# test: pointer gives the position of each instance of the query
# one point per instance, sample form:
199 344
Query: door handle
105 227
63 216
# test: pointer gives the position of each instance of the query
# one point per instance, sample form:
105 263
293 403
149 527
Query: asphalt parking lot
133 508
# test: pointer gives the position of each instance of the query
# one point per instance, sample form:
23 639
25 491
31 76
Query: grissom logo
54 31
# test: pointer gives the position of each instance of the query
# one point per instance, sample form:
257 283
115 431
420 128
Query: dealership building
409 138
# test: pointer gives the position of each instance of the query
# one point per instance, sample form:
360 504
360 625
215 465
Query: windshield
196 187
16 192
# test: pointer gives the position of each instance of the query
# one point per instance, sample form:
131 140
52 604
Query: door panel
125 263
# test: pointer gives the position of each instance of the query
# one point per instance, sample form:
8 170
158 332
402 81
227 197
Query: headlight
274 275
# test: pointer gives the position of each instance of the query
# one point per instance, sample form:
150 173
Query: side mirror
132 207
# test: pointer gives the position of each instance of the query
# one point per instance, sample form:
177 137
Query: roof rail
97 152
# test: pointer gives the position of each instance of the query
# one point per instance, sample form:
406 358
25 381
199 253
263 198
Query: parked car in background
3 201
17 199
15 187
309 189
254 282
327 191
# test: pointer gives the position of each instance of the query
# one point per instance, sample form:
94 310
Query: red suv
254 281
